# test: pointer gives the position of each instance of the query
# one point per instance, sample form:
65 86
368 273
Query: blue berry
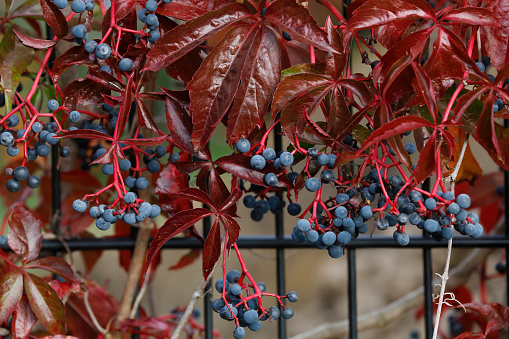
142 14
414 219
20 173
235 289
447 233
243 146
239 333
335 252
341 212
161 151
312 152
269 154
89 5
102 224
448 195
401 238
43 150
402 218
453 208
153 166
366 212
174 157
463 200
430 204
155 210
286 159
13 185
341 198
249 201
294 208
129 198
152 20
288 313
74 116
257 162
3 240
154 36
60 3
103 51
431 226
107 169
12 151
303 225
395 181
151 5
256 325
292 296
233 276
481 66
312 236
312 184
410 148
125 64
78 6
124 164
94 212
109 215
329 238
13 121
270 179
262 206
344 237
53 105
141 183
250 316
79 206
33 181
219 286
130 218
323 159
326 176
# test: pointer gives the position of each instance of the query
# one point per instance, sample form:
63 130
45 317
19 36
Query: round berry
402 238
243 146
12 151
453 208
410 148
239 333
20 173
154 35
286 159
107 169
129 198
13 185
233 276
294 208
257 162
431 226
151 5
250 316
124 164
481 66
125 64
78 6
269 154
303 225
60 3
102 224
141 183
292 296
33 181
463 200
366 212
130 218
153 166
43 150
329 238
3 240
447 233
430 204
249 201
155 210
89 5
270 179
36 127
312 236
161 151
103 51
312 184
256 325
335 252
288 313
79 206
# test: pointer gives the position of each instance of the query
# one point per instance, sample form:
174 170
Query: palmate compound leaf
495 314
54 18
23 319
11 290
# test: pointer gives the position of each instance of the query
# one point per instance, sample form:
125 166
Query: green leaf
14 59
45 303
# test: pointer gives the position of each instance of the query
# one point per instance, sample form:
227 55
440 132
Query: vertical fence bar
207 303
506 203
280 252
352 294
427 280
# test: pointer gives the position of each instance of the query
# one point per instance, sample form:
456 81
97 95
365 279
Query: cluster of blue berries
148 17
258 162
20 174
246 310
134 211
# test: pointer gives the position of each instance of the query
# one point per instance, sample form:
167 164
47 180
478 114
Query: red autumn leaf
496 315
216 82
376 13
59 336
145 142
35 43
123 8
240 166
232 226
338 114
198 195
54 18
107 80
190 9
217 188
179 124
25 236
45 303
388 35
64 288
125 109
11 290
496 38
146 115
425 89
296 20
395 127
347 126
83 92
179 41
55 265
211 249
173 226
258 80
485 132
85 134
427 160
336 62
76 55
464 101
172 181
187 259
23 319
475 16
